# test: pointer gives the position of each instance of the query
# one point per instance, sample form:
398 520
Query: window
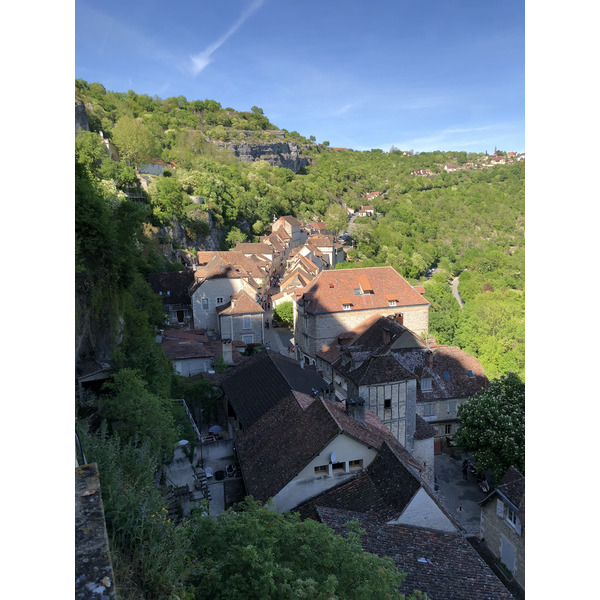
219 300
346 306
387 408
356 464
452 407
204 303
446 375
358 292
392 303
248 339
428 410
499 507
470 373
247 322
447 429
426 384
339 466
321 469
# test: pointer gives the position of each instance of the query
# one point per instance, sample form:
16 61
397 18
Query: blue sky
422 75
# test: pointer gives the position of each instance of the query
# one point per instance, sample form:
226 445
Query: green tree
285 313
135 413
257 553
234 237
336 219
492 426
135 143
168 200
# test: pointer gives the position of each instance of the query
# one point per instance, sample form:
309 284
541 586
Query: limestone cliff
286 154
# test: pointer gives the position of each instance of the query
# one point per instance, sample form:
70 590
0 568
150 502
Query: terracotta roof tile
331 286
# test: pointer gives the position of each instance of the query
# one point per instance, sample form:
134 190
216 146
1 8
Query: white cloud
203 59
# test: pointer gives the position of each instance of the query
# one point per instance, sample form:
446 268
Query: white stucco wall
306 484
422 511
192 366
221 287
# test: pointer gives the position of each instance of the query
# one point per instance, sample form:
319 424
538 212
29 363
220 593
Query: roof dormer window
426 384
346 306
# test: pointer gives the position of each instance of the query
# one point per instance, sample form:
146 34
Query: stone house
362 364
154 166
337 301
242 319
446 377
215 283
290 228
330 251
502 526
193 353
366 211
172 287
304 446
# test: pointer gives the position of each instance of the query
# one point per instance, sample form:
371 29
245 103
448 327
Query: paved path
458 496
277 339
455 292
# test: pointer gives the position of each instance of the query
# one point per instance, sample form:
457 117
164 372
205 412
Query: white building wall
192 366
422 511
211 289
307 485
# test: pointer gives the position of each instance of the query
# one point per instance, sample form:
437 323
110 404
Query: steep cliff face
81 118
282 153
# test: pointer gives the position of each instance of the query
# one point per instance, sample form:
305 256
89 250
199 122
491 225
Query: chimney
227 348
430 359
355 407
399 318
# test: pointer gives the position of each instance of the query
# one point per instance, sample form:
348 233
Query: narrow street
277 339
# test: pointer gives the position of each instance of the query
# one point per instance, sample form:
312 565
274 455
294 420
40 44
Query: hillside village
345 416
347 412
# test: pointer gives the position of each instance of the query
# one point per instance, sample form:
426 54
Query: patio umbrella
215 429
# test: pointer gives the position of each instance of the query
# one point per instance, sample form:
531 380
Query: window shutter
500 508
518 526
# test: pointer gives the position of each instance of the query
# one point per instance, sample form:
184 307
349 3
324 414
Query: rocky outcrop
278 154
81 118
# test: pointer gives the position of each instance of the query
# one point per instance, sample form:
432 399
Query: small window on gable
356 464
204 303
247 322
219 300
321 469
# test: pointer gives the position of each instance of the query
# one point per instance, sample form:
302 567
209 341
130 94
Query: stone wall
322 329
493 528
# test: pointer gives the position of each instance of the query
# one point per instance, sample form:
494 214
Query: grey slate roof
443 565
175 282
262 381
